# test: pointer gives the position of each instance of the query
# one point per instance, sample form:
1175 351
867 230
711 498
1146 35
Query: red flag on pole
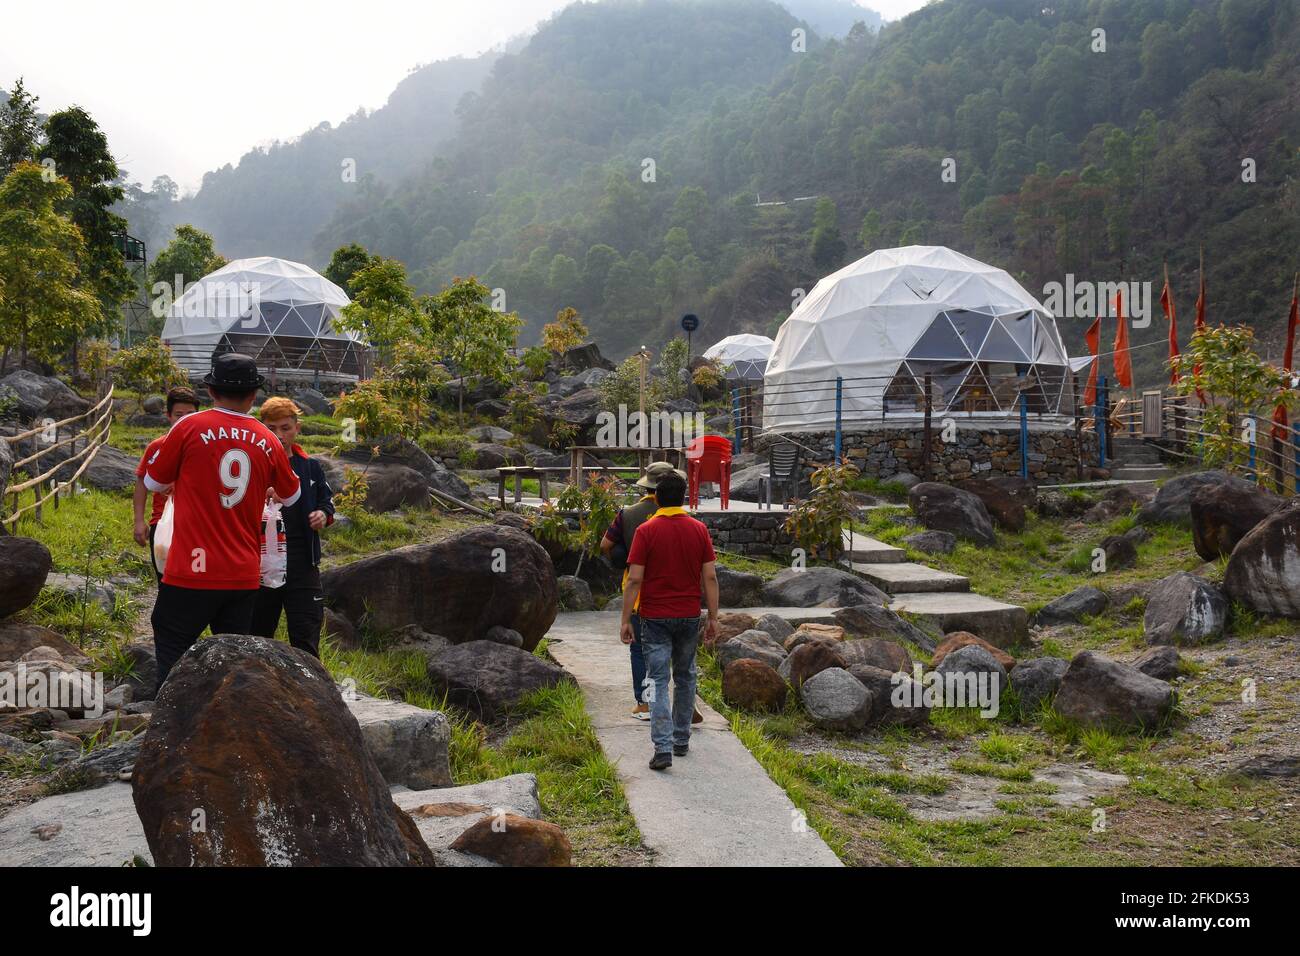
1123 366
1093 338
1288 360
1167 303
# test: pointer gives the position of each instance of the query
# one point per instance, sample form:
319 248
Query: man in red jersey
181 401
221 463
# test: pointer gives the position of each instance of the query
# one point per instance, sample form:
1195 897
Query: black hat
234 372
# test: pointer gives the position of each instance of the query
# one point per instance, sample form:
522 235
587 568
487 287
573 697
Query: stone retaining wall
744 532
977 449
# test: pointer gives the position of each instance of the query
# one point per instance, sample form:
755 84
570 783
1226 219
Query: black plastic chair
784 468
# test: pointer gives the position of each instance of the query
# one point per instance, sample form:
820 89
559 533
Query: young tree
46 305
566 332
470 332
346 262
383 308
20 129
191 254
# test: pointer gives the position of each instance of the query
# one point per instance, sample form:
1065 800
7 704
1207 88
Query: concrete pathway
714 807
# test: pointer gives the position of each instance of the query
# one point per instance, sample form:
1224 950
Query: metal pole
735 416
1251 465
1078 427
926 449
839 408
1099 410
1024 437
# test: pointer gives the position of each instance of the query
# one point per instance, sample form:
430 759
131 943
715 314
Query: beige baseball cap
655 472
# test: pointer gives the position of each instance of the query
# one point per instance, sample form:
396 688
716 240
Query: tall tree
20 128
346 262
46 304
191 254
470 332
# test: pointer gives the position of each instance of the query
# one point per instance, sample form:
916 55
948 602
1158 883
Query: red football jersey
222 464
159 497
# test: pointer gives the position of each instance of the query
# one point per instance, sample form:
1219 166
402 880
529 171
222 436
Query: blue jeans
668 646
638 660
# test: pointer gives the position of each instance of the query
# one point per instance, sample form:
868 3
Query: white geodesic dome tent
886 321
279 312
743 356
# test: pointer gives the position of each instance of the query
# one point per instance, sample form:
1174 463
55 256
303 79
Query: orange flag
1093 338
1288 360
1123 367
1167 303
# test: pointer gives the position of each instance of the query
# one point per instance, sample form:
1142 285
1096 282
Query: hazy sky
184 87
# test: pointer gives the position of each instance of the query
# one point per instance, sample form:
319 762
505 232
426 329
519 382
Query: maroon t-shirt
673 549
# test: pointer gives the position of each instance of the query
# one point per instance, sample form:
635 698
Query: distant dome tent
279 312
743 356
886 321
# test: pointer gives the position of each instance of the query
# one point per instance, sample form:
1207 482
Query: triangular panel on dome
975 395
272 356
334 352
246 343
904 392
312 314
973 327
313 358
273 313
945 379
1004 380
293 324
1020 326
939 341
1055 381
1001 347
1047 345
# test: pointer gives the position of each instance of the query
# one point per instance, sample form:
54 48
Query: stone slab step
1003 625
909 577
860 547
1141 472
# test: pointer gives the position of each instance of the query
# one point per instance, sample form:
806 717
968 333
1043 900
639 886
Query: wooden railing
44 486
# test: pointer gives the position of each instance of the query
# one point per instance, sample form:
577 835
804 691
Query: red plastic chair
708 458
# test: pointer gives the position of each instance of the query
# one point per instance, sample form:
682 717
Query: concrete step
1003 625
1140 472
910 577
860 547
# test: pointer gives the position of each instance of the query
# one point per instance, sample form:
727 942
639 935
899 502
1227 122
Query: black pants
153 561
303 603
181 614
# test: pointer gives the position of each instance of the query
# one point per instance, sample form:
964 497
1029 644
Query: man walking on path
671 559
221 463
617 544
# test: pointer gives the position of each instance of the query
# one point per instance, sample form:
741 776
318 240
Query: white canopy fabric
743 356
886 321
279 312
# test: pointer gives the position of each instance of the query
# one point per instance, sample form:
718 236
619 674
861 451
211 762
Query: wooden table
645 455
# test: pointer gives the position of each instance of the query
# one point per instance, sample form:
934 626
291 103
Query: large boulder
1117 501
1264 570
458 587
1120 551
511 840
1003 506
932 542
17 639
580 409
1173 501
976 660
389 485
1022 490
959 639
945 508
876 652
1072 608
400 451
1037 681
820 587
874 620
1162 662
811 631
493 455
94 827
42 396
753 685
836 700
312 402
751 645
730 623
575 593
1099 692
24 565
487 678
739 588
775 626
409 744
808 660
252 759
1184 609
1223 514
580 358
896 699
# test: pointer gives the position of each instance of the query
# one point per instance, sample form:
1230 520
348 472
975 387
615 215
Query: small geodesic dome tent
279 312
743 357
890 319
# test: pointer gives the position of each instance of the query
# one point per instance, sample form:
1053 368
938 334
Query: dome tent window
885 322
279 312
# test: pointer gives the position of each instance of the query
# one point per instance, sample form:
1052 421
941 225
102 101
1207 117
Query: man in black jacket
300 598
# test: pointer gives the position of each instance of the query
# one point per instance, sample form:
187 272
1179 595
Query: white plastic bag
162 536
275 555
